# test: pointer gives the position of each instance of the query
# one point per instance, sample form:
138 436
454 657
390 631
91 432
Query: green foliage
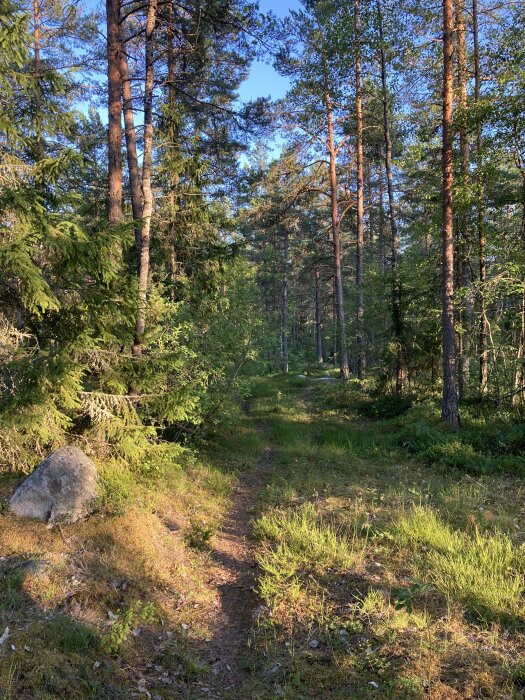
198 535
117 635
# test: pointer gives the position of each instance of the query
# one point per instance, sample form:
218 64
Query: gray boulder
61 489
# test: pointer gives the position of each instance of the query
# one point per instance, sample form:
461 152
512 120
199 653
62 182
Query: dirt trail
234 576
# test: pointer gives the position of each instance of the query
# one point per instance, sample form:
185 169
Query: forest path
234 577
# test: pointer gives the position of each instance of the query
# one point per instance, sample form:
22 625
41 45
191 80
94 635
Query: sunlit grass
304 537
484 571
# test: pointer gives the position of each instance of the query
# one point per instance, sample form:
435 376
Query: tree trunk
284 304
483 331
131 152
114 113
359 268
37 74
147 191
519 375
338 280
318 318
381 232
172 141
449 411
465 277
397 316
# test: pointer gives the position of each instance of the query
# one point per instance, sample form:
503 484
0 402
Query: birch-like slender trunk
464 239
449 410
519 375
131 152
147 191
37 75
482 245
381 232
336 243
284 304
397 315
318 317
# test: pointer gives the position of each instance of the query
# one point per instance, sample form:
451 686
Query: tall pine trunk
449 410
114 113
397 315
361 360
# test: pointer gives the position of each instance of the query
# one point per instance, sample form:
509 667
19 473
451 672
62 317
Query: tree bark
114 113
318 318
397 315
449 410
336 244
131 152
465 277
284 304
381 233
37 74
172 141
359 269
482 246
519 375
147 191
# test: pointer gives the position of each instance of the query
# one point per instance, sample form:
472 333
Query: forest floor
309 552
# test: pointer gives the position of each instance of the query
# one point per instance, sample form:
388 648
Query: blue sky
263 80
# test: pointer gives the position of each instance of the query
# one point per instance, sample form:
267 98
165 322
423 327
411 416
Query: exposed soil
233 574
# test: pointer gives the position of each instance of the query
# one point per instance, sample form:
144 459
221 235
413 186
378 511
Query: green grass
304 539
484 571
389 550
375 540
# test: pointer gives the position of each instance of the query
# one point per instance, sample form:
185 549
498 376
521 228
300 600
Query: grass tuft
305 538
484 571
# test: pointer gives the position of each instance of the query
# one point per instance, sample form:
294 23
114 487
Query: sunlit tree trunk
37 74
114 113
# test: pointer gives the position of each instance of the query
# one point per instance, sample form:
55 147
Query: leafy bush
454 455
199 534
386 406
